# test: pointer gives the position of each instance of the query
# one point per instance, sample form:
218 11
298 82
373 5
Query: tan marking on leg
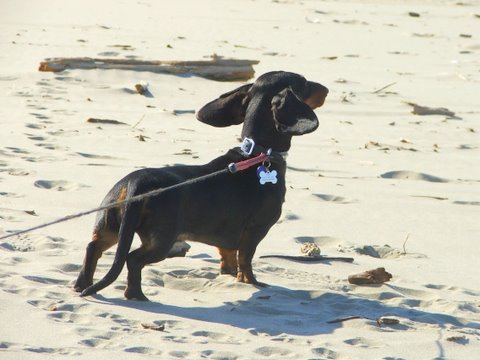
101 241
107 238
228 261
245 273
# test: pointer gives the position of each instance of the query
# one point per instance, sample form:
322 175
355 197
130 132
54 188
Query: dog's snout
317 88
317 95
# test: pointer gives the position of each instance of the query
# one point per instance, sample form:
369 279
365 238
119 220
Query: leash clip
247 146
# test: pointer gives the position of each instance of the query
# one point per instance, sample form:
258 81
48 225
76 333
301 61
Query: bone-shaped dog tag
266 176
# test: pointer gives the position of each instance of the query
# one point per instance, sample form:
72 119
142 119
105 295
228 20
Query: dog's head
276 106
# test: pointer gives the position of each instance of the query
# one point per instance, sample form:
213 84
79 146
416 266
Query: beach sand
375 182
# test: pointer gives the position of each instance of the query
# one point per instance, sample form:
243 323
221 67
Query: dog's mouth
318 93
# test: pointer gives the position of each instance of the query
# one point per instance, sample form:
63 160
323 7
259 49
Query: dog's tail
126 232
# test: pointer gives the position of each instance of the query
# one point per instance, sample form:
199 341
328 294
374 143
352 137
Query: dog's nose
317 88
317 94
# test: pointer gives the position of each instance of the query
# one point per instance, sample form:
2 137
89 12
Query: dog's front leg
228 261
248 244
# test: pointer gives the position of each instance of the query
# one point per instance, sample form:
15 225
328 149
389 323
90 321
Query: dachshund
233 212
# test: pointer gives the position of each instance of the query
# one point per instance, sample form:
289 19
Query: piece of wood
425 110
105 121
345 319
382 320
375 276
155 327
383 88
309 258
215 69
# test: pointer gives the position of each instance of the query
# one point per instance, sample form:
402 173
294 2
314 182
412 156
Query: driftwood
382 320
346 319
375 276
314 258
425 110
155 327
387 321
384 87
105 121
215 69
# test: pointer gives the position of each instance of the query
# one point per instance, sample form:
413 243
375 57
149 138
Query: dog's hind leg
125 238
228 261
102 240
150 252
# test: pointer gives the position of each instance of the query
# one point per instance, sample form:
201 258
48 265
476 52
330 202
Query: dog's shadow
278 310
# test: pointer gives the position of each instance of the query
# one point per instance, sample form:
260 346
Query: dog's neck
259 125
250 148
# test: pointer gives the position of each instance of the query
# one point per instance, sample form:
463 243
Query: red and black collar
250 149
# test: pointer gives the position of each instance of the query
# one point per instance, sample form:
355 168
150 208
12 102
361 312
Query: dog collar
250 148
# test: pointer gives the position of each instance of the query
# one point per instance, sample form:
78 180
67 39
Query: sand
375 182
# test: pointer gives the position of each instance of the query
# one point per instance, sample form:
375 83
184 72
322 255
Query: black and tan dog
233 212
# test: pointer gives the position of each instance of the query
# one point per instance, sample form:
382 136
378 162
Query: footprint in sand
473 203
288 216
13 260
39 116
35 126
142 350
26 243
18 172
58 185
214 337
335 199
6 345
49 146
190 281
36 138
66 313
412 175
69 268
360 342
325 353
177 354
45 280
36 159
270 351
15 215
36 107
40 350
319 240
16 150
95 156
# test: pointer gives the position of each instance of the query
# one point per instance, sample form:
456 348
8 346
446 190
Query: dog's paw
136 294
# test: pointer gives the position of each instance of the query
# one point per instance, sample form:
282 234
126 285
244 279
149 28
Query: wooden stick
385 87
346 319
215 69
425 110
303 258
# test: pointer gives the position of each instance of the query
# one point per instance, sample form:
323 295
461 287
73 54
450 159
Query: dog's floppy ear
292 116
228 109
